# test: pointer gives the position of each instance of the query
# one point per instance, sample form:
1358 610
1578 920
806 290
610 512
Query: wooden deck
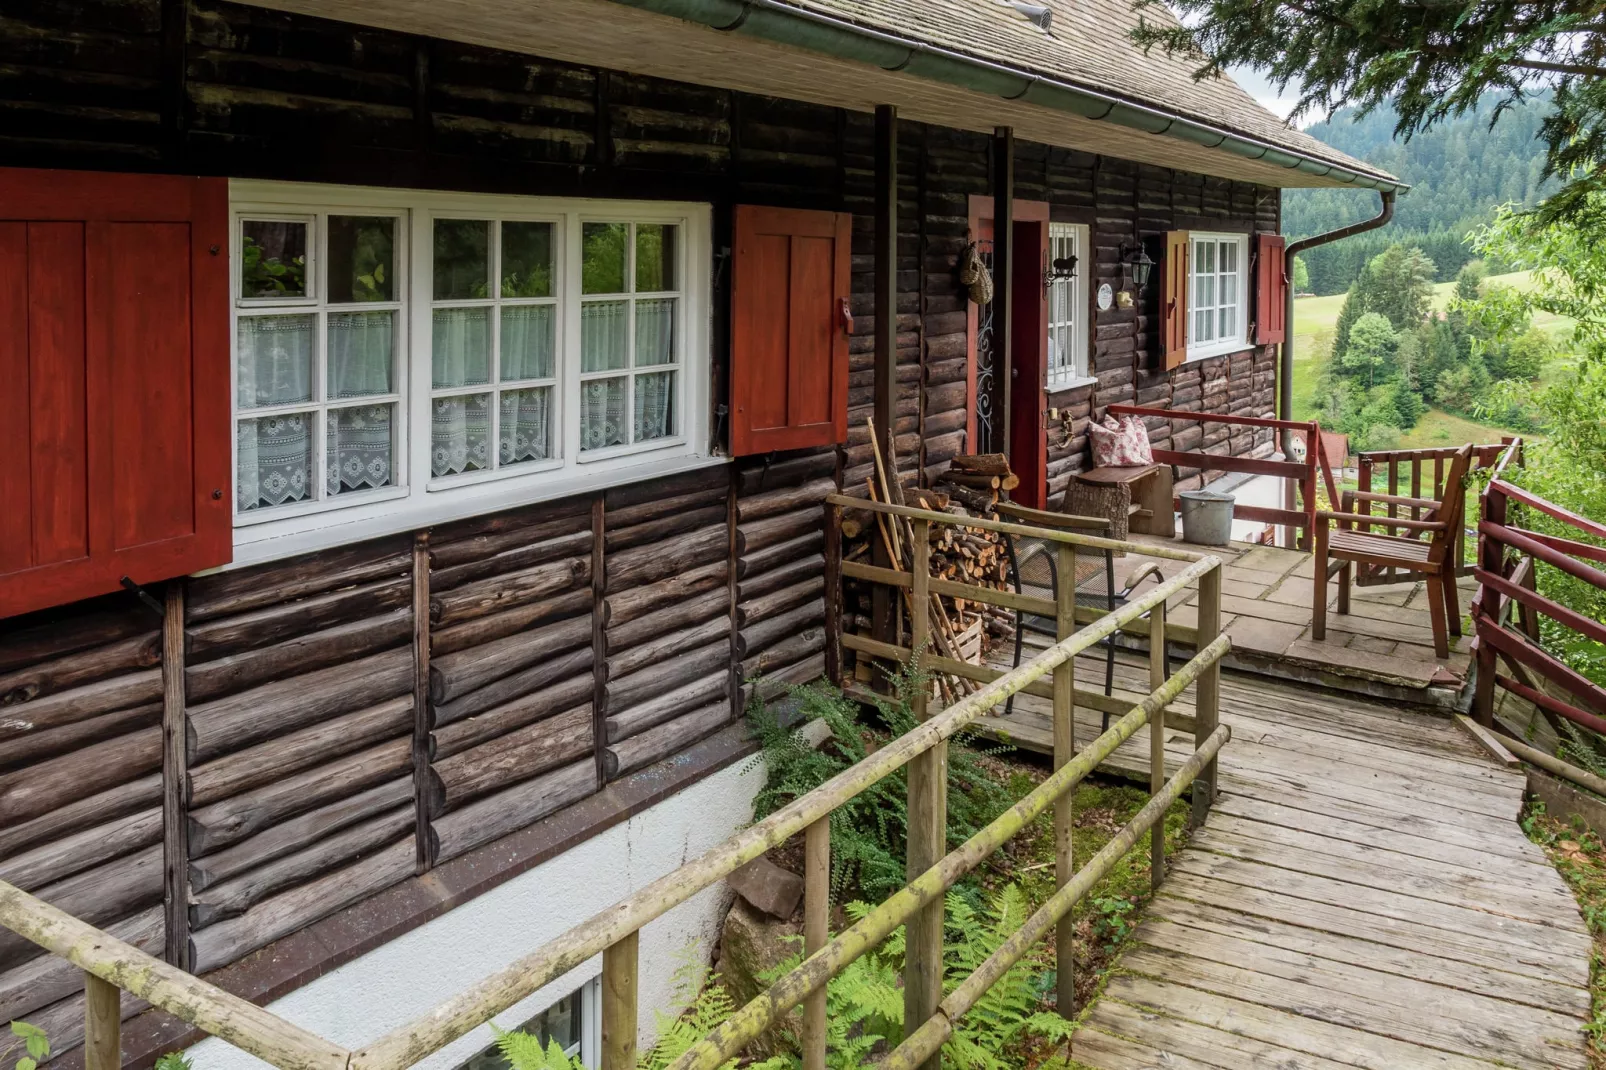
1361 896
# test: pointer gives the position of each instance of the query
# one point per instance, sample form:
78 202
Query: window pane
273 259
655 406
655 257
602 265
361 345
362 258
604 342
462 259
358 448
1229 321
460 434
1204 291
655 331
528 337
462 346
1204 257
526 259
1203 322
602 413
274 360
1229 256
526 432
274 465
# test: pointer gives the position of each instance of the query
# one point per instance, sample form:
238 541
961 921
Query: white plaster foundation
394 984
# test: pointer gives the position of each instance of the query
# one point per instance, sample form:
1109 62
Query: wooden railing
1302 474
1419 474
113 967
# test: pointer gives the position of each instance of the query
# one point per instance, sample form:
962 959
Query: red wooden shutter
1271 289
1174 299
789 343
114 355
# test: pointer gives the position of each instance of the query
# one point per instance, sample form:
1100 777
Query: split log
486 536
626 606
217 945
517 685
671 644
285 705
81 703
95 809
304 653
760 609
60 636
60 858
655 711
754 586
775 684
495 816
975 480
992 464
784 500
667 675
761 477
519 755
776 628
96 896
80 667
664 528
500 625
666 739
513 559
454 675
226 593
234 897
773 556
980 503
781 528
501 720
68 737
289 754
287 837
494 594
785 653
233 819
642 565
44 979
247 631
656 508
35 790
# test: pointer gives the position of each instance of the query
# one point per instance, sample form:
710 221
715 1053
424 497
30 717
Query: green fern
523 1051
175 1060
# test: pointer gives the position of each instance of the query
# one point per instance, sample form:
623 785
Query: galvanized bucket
1206 517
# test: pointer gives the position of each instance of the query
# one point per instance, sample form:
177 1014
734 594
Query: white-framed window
574 1022
1068 308
1218 294
402 358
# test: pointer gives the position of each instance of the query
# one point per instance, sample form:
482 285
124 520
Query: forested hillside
1459 172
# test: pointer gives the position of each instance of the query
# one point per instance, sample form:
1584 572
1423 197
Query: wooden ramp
1361 896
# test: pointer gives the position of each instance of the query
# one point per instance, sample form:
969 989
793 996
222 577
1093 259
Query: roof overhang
777 49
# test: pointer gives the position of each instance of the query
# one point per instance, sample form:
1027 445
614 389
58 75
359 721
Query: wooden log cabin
417 416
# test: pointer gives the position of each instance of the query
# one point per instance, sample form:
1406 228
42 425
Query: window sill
1070 382
1219 349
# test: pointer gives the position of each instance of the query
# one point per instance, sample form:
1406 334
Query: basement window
573 1023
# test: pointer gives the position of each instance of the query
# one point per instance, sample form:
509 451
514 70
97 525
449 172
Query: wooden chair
1351 543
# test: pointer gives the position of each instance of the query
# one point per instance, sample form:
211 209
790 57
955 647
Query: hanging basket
974 276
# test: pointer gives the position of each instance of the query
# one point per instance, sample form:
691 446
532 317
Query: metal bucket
1206 517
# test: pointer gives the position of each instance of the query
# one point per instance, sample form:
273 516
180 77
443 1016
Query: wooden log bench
1136 498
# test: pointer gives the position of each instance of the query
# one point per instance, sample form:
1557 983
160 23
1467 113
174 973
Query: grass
1577 853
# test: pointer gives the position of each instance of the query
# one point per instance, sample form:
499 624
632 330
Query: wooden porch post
619 1004
103 1023
816 932
1157 676
1003 303
1064 751
1207 694
833 594
1490 555
886 333
928 817
175 783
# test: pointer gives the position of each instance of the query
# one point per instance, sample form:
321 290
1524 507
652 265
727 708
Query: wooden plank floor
1361 896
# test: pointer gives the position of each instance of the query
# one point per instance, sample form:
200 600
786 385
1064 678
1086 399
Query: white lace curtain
275 460
460 434
525 433
528 338
655 413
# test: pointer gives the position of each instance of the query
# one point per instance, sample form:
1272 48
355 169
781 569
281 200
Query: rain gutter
787 24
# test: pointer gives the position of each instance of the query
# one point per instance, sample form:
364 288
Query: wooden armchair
1426 549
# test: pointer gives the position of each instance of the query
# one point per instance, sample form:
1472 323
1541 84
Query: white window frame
589 1045
1068 365
417 499
1237 339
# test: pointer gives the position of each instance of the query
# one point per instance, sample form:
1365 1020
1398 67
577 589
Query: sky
1258 87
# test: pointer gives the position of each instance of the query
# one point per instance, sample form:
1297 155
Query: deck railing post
928 811
103 1021
619 1003
1064 751
833 594
816 932
1207 694
1157 678
1491 558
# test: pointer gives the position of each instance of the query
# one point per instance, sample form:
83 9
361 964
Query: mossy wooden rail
113 967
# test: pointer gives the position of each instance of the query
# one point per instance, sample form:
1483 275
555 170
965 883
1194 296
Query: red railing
1303 473
1408 474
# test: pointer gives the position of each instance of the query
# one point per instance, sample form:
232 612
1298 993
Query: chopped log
453 738
656 508
247 631
234 897
630 605
95 809
992 464
500 625
60 858
655 711
53 741
771 557
975 480
784 500
781 528
642 565
132 882
785 653
773 630
664 527
507 811
772 686
454 675
288 754
485 536
283 706
557 667
494 594
755 586
664 740
670 644
283 914
81 703
61 634
513 559
760 609
44 979
666 675
761 477
519 755
225 593
37 789
80 667
233 819
304 653
980 503
287 837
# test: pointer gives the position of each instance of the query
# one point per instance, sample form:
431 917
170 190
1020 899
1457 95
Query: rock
750 946
768 887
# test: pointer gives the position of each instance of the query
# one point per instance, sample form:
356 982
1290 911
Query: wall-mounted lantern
1138 265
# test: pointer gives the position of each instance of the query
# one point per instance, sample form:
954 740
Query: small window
573 1023
1218 294
1067 307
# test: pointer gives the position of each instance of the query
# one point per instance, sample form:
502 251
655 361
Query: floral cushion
1120 444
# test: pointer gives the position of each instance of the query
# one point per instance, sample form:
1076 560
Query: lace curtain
275 360
460 434
358 448
602 413
655 332
528 337
655 396
275 460
462 346
525 431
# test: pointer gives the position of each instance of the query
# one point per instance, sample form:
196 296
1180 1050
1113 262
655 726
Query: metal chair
1032 570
